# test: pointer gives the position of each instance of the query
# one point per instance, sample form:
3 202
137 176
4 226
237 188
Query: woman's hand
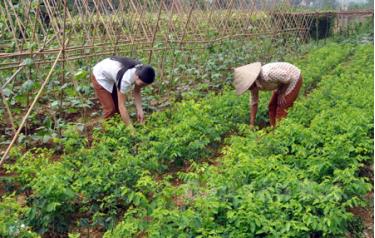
138 104
140 116
123 111
281 92
281 101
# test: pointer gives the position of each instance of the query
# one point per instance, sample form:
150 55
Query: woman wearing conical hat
284 79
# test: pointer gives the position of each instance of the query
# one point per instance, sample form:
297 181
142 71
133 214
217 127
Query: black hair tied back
146 73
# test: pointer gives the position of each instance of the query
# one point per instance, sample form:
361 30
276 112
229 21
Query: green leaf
80 75
28 61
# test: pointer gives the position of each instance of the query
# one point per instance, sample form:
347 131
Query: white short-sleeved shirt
105 73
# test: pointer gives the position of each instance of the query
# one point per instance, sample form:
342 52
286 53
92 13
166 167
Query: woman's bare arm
123 111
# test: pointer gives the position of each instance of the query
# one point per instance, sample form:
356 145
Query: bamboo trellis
50 32
106 26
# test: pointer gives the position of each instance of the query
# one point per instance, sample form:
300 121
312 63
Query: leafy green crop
296 181
93 185
11 213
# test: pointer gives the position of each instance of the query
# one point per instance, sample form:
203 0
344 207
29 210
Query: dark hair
145 73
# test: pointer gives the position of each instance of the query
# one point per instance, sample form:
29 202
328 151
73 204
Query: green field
196 170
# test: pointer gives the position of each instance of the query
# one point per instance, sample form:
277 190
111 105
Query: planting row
91 186
296 181
184 74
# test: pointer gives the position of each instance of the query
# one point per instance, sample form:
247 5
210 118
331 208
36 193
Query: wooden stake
30 109
154 34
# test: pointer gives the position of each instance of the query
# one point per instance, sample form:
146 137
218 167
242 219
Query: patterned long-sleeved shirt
273 75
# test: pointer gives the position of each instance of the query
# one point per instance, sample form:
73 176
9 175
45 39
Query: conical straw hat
245 76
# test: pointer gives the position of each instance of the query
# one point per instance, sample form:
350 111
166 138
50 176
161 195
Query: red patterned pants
276 112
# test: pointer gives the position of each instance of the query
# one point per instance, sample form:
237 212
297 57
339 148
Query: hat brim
245 76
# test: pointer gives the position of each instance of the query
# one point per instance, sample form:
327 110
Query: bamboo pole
20 25
187 21
154 34
53 20
140 18
40 21
179 42
20 66
12 77
63 62
11 26
33 36
30 109
103 22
